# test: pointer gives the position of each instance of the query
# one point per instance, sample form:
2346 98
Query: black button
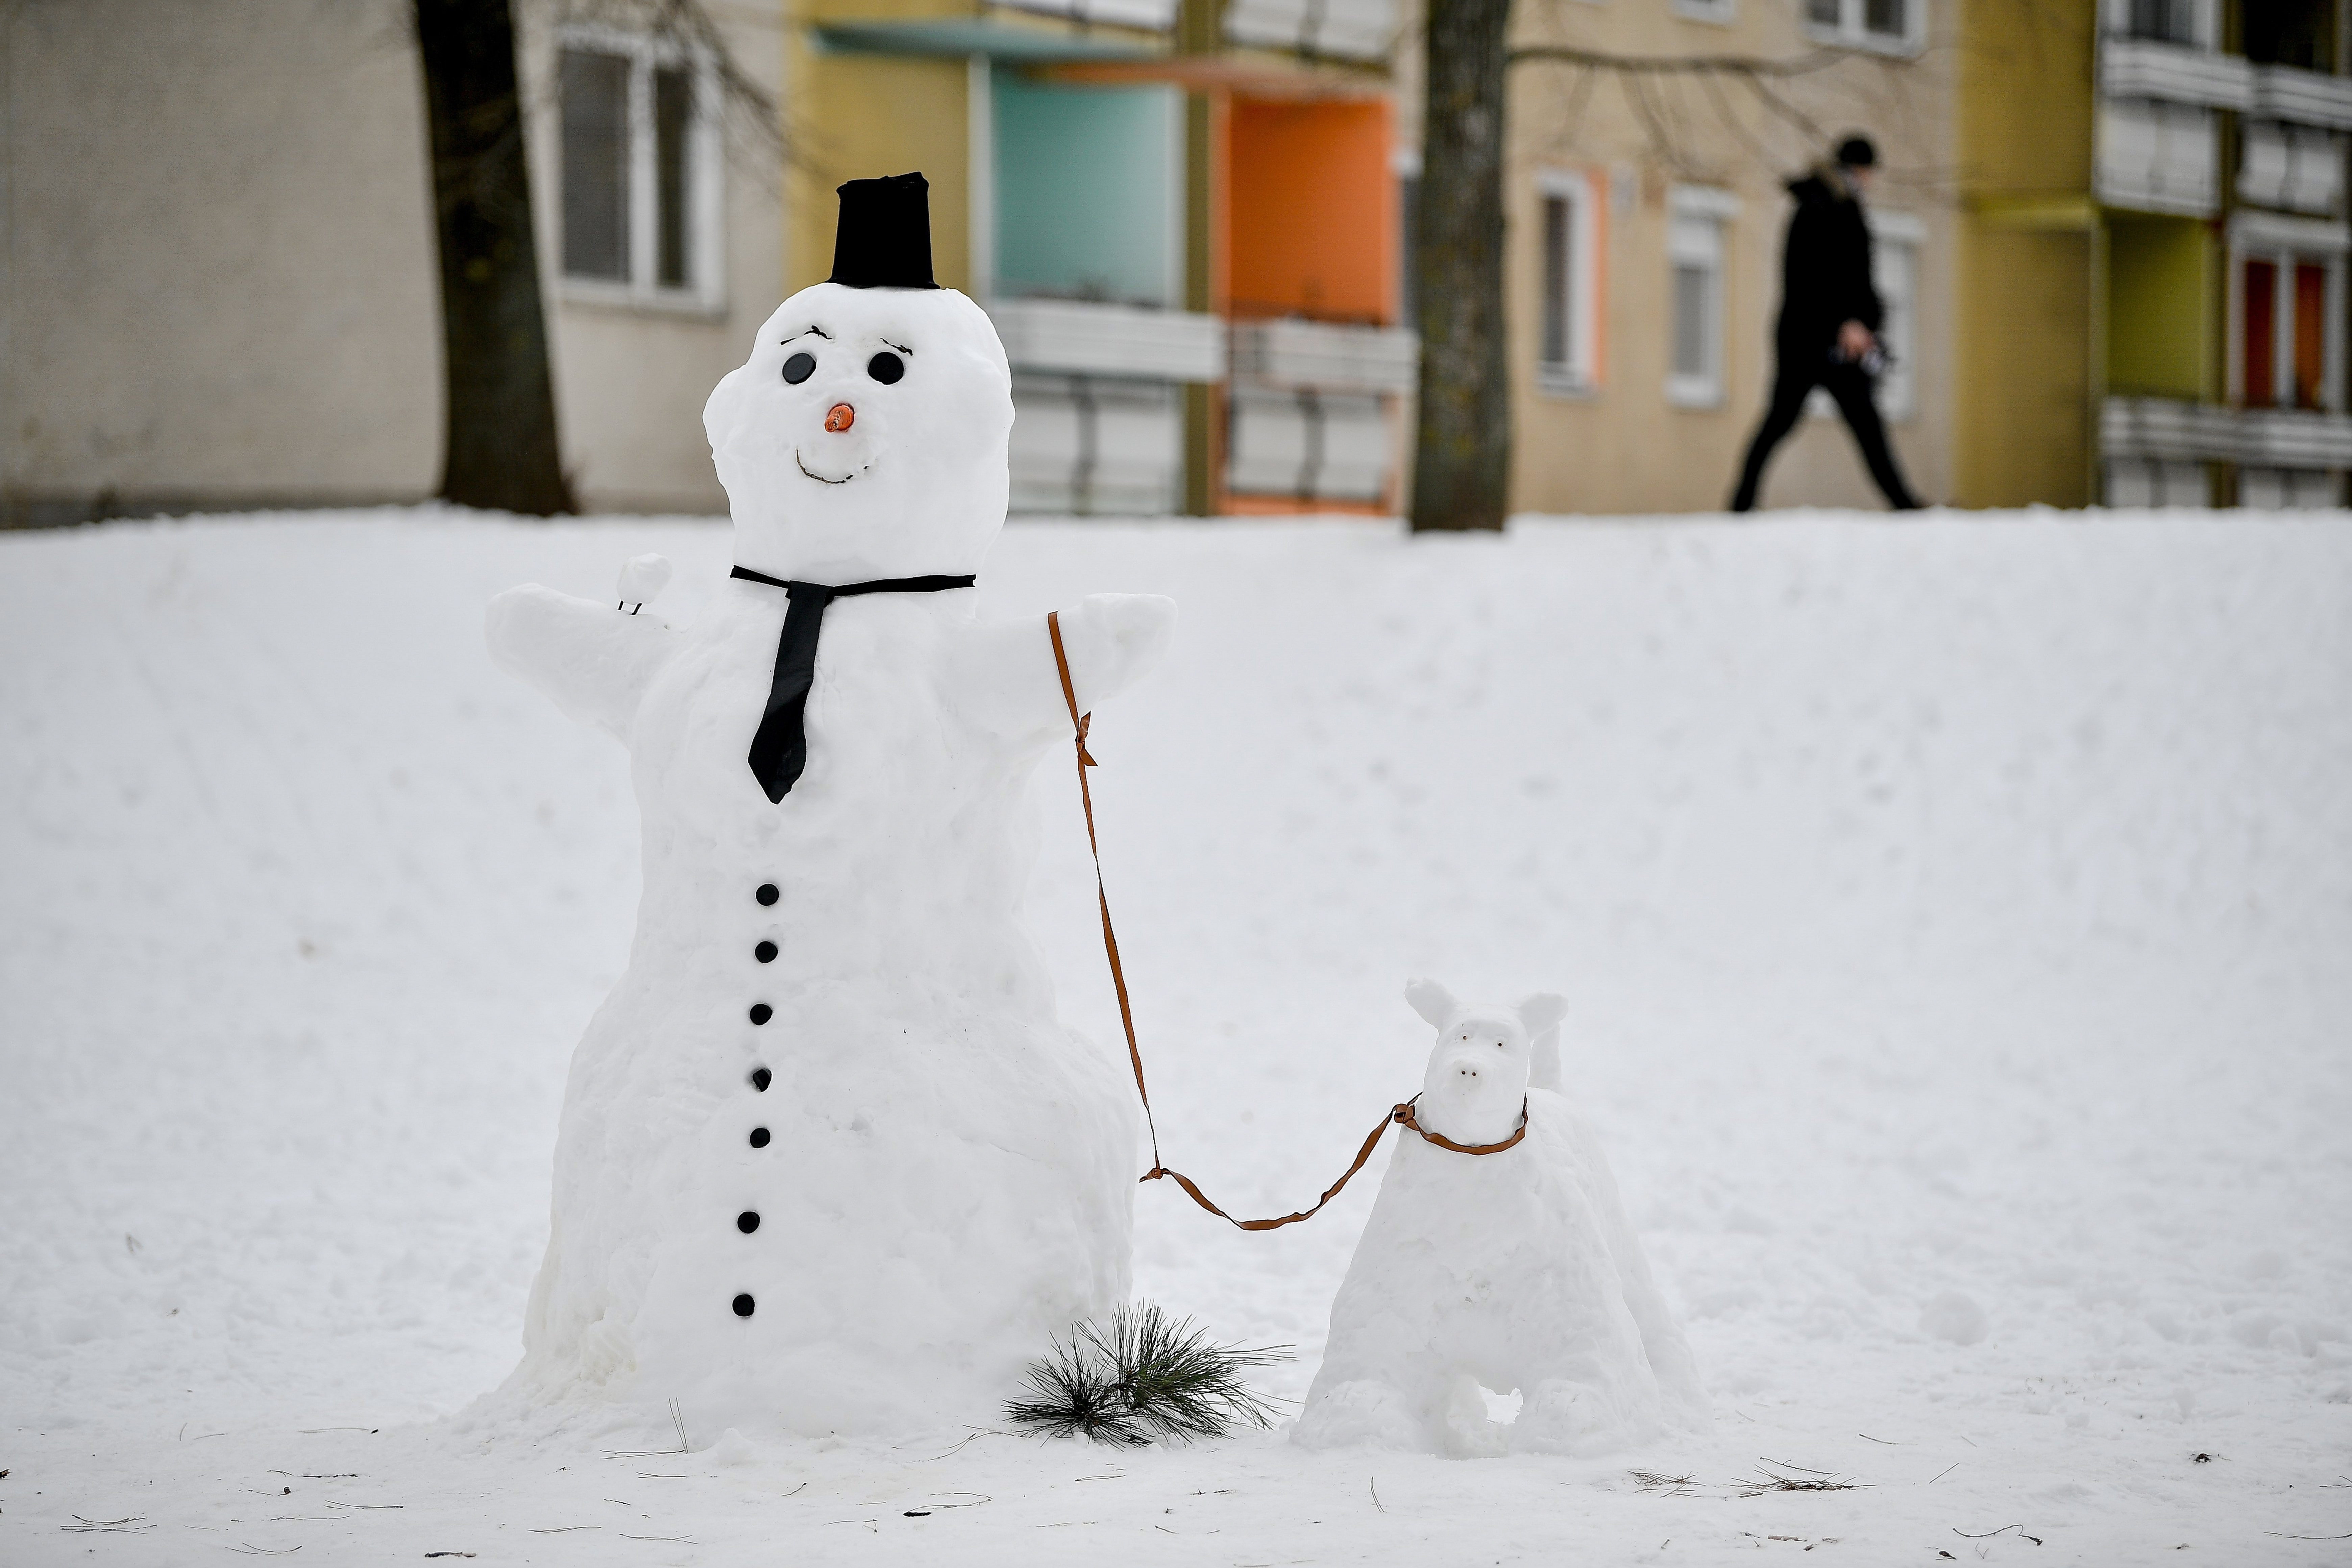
759 1137
761 1012
885 368
767 893
747 1222
799 367
765 952
761 1078
742 1306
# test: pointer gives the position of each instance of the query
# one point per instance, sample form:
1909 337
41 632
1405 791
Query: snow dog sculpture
1516 1269
828 1162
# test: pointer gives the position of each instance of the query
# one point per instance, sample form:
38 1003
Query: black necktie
779 747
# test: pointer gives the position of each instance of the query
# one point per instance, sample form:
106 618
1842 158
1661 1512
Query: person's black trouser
1802 369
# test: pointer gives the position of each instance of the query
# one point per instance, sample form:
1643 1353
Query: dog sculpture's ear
1432 1001
1542 1013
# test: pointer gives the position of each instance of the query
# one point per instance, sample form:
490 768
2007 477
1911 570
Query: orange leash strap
1111 937
1402 1115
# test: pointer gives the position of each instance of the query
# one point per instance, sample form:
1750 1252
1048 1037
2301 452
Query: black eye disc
885 368
799 367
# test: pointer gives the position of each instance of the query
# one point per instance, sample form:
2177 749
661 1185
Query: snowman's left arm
1005 671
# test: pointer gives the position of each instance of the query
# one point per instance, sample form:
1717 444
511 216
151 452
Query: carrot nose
840 417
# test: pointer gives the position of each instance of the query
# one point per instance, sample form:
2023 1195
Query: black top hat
885 238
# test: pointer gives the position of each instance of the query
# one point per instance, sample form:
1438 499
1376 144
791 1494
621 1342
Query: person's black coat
1824 268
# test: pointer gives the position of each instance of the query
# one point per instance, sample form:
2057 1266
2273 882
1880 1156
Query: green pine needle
1143 1378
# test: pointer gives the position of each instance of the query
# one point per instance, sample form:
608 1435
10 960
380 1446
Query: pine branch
1144 1377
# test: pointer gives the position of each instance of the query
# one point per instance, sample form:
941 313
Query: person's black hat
885 238
1854 152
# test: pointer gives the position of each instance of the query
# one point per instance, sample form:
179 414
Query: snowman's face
1477 1078
865 436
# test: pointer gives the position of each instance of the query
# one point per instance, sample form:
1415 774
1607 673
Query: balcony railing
1325 356
1081 337
1346 29
2174 73
2158 155
2164 428
2306 98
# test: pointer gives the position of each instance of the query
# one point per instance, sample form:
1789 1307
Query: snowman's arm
1005 673
593 660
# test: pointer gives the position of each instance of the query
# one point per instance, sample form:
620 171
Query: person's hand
1854 340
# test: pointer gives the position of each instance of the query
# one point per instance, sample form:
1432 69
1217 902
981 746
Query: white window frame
1716 13
1849 31
1898 240
1698 224
704 292
2284 241
1579 375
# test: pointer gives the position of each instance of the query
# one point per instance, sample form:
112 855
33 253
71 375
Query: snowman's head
865 436
1481 1066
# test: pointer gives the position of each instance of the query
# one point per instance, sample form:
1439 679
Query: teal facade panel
1089 191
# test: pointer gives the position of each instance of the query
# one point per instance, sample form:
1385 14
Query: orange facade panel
1311 227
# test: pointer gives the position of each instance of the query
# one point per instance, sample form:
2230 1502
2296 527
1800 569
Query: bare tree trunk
1461 454
501 450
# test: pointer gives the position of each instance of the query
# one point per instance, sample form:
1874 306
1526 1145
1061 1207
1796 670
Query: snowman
828 1162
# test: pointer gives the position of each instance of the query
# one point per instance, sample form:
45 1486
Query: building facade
2111 235
2153 252
221 285
1182 217
1646 208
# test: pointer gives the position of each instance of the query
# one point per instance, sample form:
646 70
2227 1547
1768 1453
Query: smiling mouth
822 478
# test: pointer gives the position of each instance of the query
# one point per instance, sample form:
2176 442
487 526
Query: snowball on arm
1004 669
594 660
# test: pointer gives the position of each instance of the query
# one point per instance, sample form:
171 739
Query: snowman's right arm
593 660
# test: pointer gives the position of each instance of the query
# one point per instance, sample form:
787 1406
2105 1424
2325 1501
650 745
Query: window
2286 314
2168 21
1695 296
2300 33
1568 323
1896 239
1706 10
640 170
1887 25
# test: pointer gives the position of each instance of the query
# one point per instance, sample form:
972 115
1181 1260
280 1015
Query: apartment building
2111 235
221 284
1181 218
1646 207
2154 254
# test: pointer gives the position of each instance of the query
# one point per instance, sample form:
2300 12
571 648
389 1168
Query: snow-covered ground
1956 916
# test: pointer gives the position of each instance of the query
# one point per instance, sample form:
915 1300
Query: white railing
1153 16
2164 428
1097 445
2158 155
2176 73
1295 353
1308 445
1348 29
2307 97
2297 167
1083 338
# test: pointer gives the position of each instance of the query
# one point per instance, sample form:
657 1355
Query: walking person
1829 317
